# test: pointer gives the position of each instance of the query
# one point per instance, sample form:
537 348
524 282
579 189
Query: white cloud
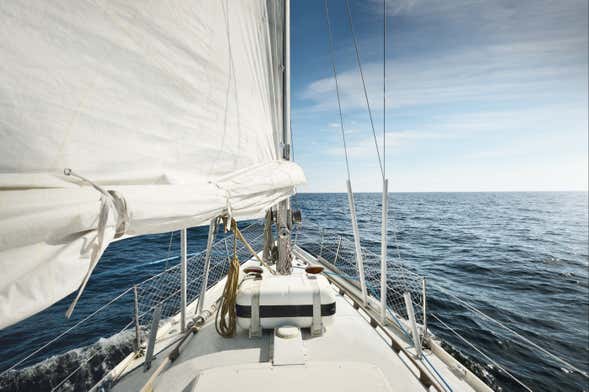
464 51
492 73
365 147
541 118
349 130
563 174
490 95
505 19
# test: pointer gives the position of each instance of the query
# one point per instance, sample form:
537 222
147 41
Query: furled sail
167 113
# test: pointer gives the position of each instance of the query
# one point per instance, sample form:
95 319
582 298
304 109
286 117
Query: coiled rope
226 318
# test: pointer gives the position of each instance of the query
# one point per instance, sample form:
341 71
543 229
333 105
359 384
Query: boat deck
351 355
347 343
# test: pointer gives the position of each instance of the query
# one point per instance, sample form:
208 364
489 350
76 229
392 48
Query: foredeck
350 339
350 354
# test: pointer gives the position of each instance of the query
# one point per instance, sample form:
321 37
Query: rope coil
226 318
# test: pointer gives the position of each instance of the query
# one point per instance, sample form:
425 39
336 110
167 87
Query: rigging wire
397 244
66 331
384 116
169 251
384 88
339 104
523 338
514 378
86 361
351 23
292 153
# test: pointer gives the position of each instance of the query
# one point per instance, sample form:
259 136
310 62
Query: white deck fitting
288 347
350 356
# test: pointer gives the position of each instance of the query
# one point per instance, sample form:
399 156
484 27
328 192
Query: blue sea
521 258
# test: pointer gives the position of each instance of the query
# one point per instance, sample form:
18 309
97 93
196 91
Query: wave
486 375
87 365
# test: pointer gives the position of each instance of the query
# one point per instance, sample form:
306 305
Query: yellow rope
226 318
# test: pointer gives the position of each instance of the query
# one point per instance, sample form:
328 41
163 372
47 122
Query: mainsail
167 113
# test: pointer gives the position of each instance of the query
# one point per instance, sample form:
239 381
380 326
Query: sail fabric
168 113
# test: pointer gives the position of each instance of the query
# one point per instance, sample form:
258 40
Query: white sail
175 106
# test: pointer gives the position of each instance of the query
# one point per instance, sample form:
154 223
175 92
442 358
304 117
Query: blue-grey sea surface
521 258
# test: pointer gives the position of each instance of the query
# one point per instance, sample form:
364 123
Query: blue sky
481 95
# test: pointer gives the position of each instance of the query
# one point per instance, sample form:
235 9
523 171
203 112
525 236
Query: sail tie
228 211
109 201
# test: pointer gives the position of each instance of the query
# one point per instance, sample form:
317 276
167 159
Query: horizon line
507 191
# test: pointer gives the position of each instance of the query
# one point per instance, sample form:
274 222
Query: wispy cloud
482 95
505 20
350 127
365 146
492 73
465 50
517 121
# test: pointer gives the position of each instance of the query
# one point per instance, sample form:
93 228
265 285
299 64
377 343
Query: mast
284 265
286 82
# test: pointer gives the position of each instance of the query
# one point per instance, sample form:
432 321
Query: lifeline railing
339 250
161 290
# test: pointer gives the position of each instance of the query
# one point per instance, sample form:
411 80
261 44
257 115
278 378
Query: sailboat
122 119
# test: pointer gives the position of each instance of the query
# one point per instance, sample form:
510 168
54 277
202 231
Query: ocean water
521 258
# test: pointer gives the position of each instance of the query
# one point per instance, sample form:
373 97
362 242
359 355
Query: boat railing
163 289
160 290
338 250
